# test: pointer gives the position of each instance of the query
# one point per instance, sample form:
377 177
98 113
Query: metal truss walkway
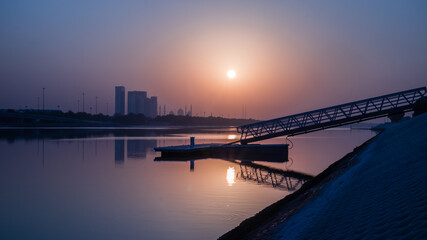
332 116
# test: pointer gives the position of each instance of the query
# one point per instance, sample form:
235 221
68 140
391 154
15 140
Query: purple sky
289 56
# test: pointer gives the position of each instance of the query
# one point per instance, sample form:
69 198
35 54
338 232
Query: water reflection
119 152
230 176
13 134
82 184
138 148
277 178
135 149
257 173
231 137
192 166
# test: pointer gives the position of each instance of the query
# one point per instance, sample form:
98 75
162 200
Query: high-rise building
137 102
120 100
153 107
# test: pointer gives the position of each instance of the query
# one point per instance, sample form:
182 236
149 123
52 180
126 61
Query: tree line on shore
37 117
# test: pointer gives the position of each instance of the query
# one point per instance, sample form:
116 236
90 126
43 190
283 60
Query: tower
120 100
137 102
153 107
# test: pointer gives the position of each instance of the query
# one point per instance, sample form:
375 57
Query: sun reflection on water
231 137
230 176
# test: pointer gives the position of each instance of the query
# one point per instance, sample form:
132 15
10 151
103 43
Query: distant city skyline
286 57
139 103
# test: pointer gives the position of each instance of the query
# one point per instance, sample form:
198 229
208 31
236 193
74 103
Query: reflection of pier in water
260 174
286 180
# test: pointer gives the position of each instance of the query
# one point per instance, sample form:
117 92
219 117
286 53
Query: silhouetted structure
120 100
137 101
188 113
54 118
152 107
382 106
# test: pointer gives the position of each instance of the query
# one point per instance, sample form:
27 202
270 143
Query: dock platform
250 152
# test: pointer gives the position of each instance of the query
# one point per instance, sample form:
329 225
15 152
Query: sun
231 74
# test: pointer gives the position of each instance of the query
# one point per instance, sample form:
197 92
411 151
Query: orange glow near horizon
230 176
219 76
262 61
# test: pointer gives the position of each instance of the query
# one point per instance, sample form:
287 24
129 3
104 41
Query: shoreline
258 226
391 162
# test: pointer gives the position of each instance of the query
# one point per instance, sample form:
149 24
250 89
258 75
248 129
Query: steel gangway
334 116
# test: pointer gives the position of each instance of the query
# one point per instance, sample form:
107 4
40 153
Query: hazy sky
290 56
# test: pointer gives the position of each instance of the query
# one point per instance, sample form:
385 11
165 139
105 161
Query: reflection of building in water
139 148
119 151
134 149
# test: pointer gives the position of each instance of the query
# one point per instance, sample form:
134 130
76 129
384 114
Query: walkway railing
332 116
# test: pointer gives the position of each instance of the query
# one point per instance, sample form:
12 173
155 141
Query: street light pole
83 102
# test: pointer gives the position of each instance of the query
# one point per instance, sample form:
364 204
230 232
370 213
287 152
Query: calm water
108 186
